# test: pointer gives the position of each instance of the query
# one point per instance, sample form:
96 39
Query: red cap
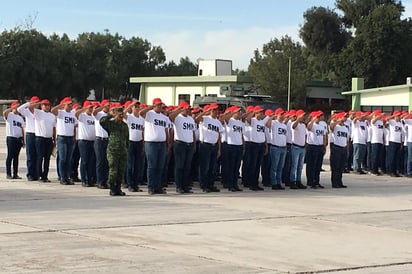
279 111
257 109
316 113
127 103
249 108
196 109
300 112
235 108
213 106
157 101
95 104
143 105
184 104
66 100
75 106
268 112
87 104
34 99
15 104
229 109
377 112
291 112
206 108
104 102
115 105
45 102
396 113
359 113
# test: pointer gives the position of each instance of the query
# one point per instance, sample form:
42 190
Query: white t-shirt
247 132
341 135
316 134
299 134
408 122
184 128
223 136
14 125
44 122
100 131
25 111
258 131
289 132
279 132
136 127
211 128
348 125
86 128
66 122
386 136
234 131
377 130
395 131
359 132
155 125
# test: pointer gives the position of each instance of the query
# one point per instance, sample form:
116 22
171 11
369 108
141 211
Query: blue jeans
207 163
156 159
65 145
87 162
392 157
246 164
277 161
102 165
31 156
409 161
44 148
297 159
183 153
359 154
286 167
314 158
135 163
13 150
376 157
256 157
232 162
338 157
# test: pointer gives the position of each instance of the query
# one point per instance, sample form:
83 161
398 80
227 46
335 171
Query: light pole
290 68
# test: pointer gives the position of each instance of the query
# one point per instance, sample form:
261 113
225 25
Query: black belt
101 138
298 146
136 142
210 144
278 146
184 143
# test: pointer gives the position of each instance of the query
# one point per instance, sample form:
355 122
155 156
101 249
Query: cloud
237 45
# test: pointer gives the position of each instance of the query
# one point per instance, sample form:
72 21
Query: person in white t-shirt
30 139
408 124
265 167
86 138
45 130
156 136
316 144
194 173
338 149
395 143
360 136
65 130
14 139
135 152
298 150
210 146
246 154
183 146
235 144
290 117
277 147
377 132
100 145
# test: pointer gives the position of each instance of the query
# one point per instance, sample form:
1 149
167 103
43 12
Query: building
214 79
386 99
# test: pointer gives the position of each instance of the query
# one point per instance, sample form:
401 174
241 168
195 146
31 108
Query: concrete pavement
50 228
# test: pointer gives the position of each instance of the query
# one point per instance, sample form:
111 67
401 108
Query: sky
209 29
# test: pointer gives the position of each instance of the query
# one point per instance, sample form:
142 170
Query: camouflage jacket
118 134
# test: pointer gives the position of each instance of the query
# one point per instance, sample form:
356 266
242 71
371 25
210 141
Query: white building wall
390 98
188 91
164 93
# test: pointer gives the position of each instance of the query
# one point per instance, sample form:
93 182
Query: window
184 97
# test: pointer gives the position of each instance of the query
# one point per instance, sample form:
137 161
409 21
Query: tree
269 69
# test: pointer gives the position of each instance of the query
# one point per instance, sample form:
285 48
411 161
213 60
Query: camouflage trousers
117 168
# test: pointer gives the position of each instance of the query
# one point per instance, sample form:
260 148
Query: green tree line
55 66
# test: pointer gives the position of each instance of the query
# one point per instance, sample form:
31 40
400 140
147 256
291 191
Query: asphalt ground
51 228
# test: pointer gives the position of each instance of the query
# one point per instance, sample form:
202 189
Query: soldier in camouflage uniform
116 149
